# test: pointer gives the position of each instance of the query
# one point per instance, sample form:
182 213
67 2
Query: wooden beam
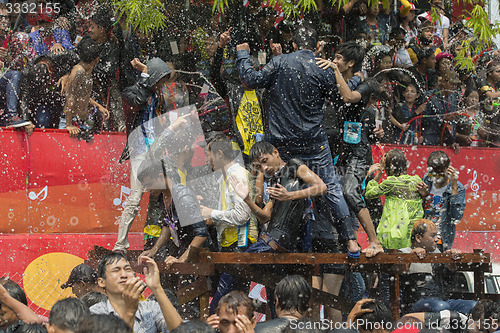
339 258
193 290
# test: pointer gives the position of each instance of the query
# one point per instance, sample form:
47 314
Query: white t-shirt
434 206
444 23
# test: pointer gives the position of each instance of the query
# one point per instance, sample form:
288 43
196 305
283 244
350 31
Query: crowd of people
288 111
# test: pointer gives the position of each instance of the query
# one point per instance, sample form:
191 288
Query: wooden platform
269 268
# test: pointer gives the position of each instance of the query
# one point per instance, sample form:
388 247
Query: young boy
80 120
444 198
292 183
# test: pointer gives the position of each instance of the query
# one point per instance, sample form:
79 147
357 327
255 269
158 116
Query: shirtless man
78 90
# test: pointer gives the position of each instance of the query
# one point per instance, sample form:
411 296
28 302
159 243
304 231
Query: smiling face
341 63
117 274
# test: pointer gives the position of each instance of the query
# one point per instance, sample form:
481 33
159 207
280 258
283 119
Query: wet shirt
433 120
296 92
359 113
249 119
287 219
148 317
419 281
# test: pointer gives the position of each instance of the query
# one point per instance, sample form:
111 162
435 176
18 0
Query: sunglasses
437 175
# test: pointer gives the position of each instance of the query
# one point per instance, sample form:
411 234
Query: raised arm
252 78
152 278
22 311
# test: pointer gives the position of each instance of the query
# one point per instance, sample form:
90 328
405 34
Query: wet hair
420 228
374 87
438 160
104 18
30 328
194 326
351 51
379 56
395 163
260 148
235 299
380 316
425 53
485 309
490 67
305 37
108 260
92 298
102 323
293 293
66 313
14 290
396 31
149 168
88 50
220 141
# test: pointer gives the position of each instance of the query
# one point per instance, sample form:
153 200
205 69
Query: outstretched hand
240 186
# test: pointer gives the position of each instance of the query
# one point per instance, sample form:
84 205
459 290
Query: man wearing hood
146 96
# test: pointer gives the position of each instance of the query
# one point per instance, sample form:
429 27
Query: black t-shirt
359 113
272 326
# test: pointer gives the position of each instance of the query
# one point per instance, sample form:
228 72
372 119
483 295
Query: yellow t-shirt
249 119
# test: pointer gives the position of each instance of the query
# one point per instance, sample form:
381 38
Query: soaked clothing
419 282
403 206
355 158
296 92
451 211
287 221
433 120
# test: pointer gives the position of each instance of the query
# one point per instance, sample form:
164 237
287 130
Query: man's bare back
78 95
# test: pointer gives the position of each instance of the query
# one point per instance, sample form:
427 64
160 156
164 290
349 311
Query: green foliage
479 34
145 15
